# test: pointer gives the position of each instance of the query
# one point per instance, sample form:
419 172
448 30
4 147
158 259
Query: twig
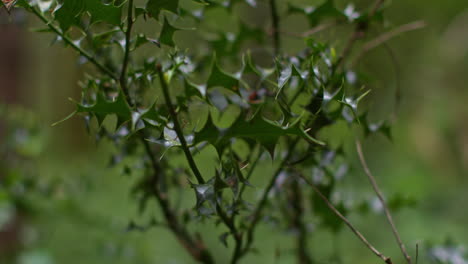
417 253
387 36
358 33
276 27
261 205
252 167
376 7
319 28
387 260
379 194
311 31
177 127
296 198
72 44
126 59
195 247
233 229
347 49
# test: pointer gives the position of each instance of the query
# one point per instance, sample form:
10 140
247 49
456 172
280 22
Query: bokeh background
72 208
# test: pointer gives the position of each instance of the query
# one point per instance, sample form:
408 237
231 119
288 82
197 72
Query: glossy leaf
259 129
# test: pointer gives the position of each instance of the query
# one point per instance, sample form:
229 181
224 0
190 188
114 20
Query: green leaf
219 78
192 89
167 33
151 116
352 104
285 75
101 12
69 12
154 7
249 67
371 128
102 108
259 129
316 14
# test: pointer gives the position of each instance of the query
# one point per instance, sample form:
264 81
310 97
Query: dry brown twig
379 194
361 237
387 36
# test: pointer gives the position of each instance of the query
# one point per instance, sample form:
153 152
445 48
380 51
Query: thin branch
387 260
296 201
275 27
417 253
387 36
252 167
126 59
319 28
379 194
177 127
237 253
311 31
233 229
358 33
376 7
72 44
195 247
263 201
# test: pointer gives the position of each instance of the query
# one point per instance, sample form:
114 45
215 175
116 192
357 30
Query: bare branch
361 237
387 36
256 216
358 33
126 59
382 201
275 27
311 31
319 28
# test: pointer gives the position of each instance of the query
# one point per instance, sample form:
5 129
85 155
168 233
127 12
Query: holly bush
195 104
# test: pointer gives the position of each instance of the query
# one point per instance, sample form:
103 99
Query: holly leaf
285 75
315 14
192 89
103 108
219 78
68 13
151 116
154 7
103 12
167 33
259 129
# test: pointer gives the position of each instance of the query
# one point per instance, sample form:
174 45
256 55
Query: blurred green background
78 208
